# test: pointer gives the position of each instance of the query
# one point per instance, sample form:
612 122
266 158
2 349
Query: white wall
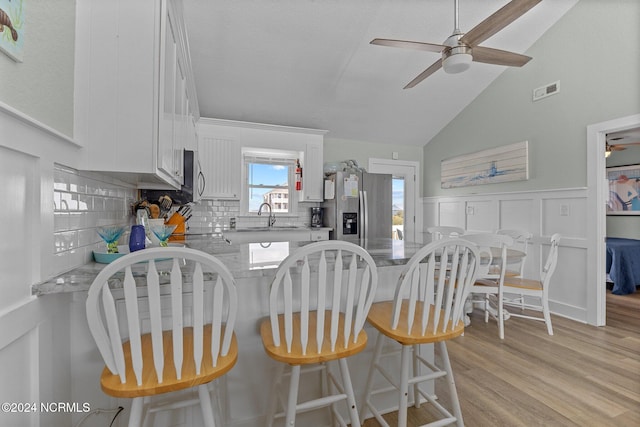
593 51
542 213
41 85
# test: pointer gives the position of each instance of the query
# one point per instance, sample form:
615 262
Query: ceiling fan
609 147
461 48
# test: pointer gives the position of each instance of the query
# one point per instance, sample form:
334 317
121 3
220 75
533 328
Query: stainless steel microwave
193 183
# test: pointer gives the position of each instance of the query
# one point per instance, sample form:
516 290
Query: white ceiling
308 63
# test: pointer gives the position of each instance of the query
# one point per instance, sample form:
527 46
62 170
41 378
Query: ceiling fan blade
496 22
620 147
405 44
426 73
489 55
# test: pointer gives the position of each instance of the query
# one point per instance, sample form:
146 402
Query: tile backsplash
213 216
82 201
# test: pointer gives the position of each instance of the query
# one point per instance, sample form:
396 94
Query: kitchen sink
273 228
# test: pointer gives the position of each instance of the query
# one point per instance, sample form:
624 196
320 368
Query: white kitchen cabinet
221 166
312 173
136 105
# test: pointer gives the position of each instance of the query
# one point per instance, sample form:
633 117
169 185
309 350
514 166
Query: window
269 178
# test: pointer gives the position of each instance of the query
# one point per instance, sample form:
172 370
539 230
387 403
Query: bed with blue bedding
623 264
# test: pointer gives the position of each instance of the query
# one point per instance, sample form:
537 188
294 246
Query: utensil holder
177 220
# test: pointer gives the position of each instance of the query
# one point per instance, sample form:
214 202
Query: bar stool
428 308
167 343
318 304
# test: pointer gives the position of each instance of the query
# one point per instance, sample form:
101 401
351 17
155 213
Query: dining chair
174 330
428 307
490 281
441 231
318 305
536 289
521 240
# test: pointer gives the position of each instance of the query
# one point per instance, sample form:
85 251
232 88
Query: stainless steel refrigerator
358 205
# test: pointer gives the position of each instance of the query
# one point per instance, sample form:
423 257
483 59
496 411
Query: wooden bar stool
318 304
167 342
428 308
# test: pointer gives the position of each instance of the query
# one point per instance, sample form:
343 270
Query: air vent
547 90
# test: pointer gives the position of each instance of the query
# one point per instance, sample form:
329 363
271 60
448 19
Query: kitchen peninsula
253 266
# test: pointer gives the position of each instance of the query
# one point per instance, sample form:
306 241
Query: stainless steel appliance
317 215
193 183
358 205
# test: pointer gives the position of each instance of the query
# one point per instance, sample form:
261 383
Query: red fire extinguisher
298 176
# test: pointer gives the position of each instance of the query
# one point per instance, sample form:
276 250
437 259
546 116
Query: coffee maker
317 215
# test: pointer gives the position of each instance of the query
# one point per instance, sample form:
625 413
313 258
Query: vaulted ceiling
308 63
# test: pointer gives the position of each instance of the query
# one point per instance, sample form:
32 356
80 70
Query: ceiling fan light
457 60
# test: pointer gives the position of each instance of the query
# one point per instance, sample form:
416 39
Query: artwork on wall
12 28
500 164
624 190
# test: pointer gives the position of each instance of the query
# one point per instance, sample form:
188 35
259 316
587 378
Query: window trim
283 157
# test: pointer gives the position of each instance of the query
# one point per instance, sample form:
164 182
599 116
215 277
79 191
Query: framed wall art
499 164
12 28
624 190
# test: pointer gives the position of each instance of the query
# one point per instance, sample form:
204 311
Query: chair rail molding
543 213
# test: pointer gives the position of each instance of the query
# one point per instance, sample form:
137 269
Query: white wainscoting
541 212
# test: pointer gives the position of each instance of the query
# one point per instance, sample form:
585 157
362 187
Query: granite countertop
246 260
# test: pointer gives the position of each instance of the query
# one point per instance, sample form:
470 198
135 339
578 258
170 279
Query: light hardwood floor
580 376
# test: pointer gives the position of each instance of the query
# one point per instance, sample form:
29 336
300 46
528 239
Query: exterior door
409 172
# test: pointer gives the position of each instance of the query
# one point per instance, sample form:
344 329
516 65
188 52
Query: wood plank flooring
580 376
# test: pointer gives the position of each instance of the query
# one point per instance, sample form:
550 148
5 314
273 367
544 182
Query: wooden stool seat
299 357
380 317
517 282
150 386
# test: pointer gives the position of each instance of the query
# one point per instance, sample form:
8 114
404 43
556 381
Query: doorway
405 195
596 214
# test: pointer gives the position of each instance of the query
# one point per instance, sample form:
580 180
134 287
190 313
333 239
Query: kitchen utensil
110 234
137 238
165 202
154 210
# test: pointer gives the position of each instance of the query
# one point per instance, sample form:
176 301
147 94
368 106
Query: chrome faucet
272 217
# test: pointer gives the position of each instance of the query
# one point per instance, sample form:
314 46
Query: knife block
177 220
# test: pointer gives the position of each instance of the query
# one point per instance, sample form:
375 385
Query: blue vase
137 238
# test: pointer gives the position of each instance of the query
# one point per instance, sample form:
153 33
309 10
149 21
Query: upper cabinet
136 105
221 144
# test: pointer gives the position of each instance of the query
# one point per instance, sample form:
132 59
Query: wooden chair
490 281
536 289
183 339
442 231
317 320
428 308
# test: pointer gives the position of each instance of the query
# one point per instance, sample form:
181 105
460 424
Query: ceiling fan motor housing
456 59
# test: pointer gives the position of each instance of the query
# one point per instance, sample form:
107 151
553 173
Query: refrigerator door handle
366 214
361 214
